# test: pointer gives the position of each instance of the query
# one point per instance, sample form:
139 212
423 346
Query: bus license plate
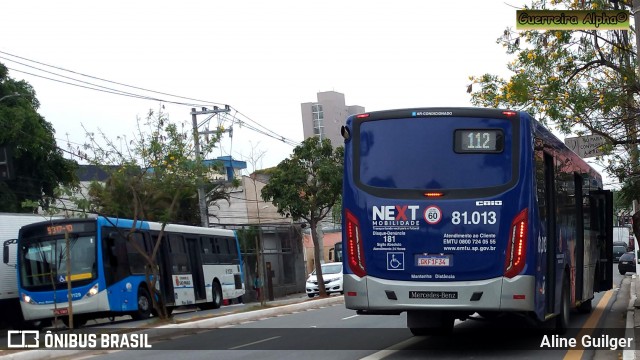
61 311
433 260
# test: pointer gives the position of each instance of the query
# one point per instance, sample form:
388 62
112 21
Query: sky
262 58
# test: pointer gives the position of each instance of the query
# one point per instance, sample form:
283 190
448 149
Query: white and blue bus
451 212
197 266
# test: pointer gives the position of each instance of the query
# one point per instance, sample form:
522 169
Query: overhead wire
258 128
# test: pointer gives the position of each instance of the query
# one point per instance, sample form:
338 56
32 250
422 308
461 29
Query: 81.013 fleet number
474 218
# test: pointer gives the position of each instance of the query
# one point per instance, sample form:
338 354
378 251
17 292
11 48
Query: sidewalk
633 318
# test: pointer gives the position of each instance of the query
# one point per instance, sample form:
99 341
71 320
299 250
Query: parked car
620 243
618 250
332 276
627 263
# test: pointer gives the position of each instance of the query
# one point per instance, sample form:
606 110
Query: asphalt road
333 332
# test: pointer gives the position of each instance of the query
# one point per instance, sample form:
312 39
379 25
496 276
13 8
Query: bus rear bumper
93 304
497 294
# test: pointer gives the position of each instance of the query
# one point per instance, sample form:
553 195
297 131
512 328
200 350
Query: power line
106 80
260 129
111 91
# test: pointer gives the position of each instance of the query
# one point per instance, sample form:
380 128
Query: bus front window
43 261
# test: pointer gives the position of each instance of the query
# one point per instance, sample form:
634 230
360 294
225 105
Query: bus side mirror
6 249
345 132
5 253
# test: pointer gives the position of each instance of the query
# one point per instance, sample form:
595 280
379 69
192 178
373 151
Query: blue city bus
197 266
453 212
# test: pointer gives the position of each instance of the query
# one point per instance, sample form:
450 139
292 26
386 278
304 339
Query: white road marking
253 343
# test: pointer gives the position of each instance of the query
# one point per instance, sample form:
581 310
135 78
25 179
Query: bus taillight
516 248
355 249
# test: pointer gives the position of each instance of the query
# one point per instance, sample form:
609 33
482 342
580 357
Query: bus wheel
217 295
144 305
585 307
562 321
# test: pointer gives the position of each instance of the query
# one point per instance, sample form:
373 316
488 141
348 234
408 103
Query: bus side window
209 255
116 256
136 260
179 259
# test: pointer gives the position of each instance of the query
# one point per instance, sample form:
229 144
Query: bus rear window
435 153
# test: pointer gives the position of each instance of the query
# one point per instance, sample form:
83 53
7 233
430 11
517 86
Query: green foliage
247 238
307 184
583 82
156 177
38 163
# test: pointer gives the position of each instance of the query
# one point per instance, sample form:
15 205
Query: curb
210 323
629 353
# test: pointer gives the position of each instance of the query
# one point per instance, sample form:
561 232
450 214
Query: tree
152 177
306 186
581 81
37 163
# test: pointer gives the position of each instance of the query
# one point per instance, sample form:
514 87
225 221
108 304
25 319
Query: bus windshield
43 261
417 153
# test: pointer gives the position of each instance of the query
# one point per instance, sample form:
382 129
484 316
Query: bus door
164 262
602 223
549 223
195 260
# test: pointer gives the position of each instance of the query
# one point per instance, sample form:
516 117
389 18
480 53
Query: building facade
325 117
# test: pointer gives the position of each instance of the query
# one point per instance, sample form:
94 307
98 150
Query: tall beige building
324 117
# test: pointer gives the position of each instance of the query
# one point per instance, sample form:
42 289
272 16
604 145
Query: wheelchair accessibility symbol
395 261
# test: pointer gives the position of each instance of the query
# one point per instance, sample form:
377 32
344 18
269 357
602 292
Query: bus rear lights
516 247
433 194
26 298
352 293
355 249
509 113
93 291
519 297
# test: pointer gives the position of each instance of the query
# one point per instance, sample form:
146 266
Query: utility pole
202 200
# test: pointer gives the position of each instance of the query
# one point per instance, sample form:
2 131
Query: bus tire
145 306
585 307
562 321
216 291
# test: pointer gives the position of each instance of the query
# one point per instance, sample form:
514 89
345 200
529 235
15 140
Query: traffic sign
586 146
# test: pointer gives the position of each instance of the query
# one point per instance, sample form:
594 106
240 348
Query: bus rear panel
441 213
